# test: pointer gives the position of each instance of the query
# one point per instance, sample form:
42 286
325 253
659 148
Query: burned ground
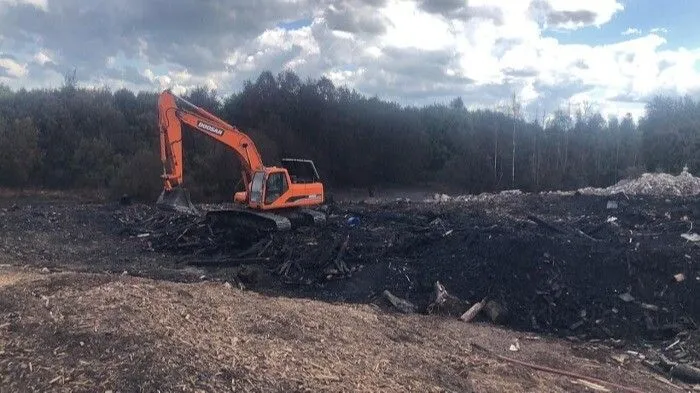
561 265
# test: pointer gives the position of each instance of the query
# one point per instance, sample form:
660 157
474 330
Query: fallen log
556 229
555 370
184 232
225 261
684 372
587 236
265 248
402 305
256 248
547 225
338 261
343 248
473 311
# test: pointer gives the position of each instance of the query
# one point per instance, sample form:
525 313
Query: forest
77 138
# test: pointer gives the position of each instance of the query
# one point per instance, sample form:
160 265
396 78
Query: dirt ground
100 296
75 332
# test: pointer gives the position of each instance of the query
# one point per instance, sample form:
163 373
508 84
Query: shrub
139 177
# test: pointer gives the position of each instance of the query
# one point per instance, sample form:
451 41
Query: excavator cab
265 188
278 187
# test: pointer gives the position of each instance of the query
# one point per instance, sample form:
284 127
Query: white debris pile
440 198
655 184
471 198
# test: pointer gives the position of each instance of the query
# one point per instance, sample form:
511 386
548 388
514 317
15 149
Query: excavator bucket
177 199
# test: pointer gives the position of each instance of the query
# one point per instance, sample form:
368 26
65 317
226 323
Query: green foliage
138 176
19 153
94 163
5 91
669 134
76 137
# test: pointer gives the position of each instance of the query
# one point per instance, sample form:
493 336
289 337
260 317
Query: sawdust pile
653 184
86 333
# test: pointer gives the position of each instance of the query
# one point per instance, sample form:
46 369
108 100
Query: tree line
73 137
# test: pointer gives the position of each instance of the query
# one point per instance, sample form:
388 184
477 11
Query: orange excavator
275 198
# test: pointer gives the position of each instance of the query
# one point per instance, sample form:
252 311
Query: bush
139 177
94 161
20 155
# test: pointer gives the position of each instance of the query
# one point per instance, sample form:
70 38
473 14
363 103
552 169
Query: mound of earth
70 332
657 184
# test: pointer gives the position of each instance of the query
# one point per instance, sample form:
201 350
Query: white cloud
528 93
659 30
149 74
632 31
179 89
180 76
373 51
42 58
411 28
575 14
182 80
12 68
411 51
211 85
164 82
344 77
40 4
281 39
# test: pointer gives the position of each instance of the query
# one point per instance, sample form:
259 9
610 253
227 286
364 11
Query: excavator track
303 217
237 217
247 219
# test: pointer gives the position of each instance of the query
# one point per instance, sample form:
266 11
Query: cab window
256 187
275 186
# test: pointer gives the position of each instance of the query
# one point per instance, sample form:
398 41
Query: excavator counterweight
275 198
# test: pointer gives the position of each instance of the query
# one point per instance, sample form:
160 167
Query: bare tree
540 117
502 108
70 79
515 109
495 151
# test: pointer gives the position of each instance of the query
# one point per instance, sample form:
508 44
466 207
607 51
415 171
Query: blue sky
295 24
678 17
549 53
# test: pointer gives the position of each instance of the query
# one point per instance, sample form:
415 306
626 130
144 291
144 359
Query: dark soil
554 264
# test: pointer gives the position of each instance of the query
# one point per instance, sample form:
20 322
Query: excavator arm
171 116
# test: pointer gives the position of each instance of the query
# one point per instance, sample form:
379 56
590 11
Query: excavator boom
171 117
272 194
